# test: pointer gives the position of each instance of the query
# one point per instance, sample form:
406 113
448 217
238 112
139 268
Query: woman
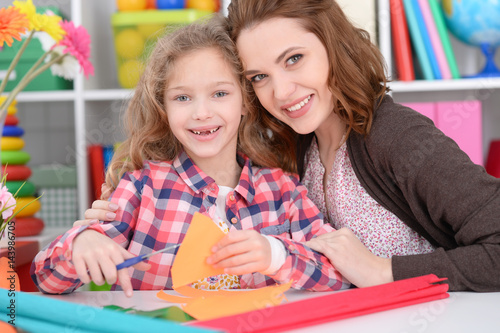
406 200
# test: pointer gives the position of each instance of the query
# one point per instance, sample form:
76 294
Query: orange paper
190 262
240 301
210 304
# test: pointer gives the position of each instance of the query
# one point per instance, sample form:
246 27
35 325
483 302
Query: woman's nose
283 86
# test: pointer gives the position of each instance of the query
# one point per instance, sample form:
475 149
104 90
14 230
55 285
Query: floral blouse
349 205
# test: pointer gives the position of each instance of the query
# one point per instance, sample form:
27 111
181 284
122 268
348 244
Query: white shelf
46 96
107 94
445 85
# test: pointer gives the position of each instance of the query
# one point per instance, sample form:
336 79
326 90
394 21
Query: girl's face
204 106
288 67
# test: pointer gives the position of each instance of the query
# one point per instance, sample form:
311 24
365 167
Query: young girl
180 158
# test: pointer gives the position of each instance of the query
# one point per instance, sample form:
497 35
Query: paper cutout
190 266
190 262
340 305
241 301
209 304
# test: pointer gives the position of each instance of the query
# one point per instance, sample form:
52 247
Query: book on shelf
429 50
417 41
437 14
99 158
435 40
401 41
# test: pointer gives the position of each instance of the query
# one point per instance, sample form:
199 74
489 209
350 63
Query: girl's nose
202 111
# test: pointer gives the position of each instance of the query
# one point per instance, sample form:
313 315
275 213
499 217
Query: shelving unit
469 60
92 109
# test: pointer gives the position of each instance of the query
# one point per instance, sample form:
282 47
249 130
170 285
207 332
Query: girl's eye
257 78
293 59
182 98
220 94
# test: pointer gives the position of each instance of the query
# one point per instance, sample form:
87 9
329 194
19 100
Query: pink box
428 109
462 121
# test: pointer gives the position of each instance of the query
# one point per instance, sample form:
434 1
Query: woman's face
288 67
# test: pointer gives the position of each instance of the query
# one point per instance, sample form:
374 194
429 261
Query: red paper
340 305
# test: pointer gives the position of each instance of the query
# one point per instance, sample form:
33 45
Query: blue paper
36 313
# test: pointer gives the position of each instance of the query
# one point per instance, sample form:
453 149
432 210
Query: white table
461 312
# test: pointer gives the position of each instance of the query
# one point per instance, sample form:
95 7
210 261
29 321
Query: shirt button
291 248
234 220
231 197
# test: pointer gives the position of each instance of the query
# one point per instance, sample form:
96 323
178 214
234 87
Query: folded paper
190 262
190 266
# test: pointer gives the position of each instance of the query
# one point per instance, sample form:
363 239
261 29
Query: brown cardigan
415 171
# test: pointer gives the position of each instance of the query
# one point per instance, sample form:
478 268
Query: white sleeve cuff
278 255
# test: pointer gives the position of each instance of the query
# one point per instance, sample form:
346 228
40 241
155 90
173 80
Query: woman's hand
95 257
101 210
352 259
241 252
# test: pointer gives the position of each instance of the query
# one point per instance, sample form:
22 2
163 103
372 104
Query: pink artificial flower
77 43
7 203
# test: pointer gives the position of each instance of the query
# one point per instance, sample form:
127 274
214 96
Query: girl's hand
241 252
352 259
95 257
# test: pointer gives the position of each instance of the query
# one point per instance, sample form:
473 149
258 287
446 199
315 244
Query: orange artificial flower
12 24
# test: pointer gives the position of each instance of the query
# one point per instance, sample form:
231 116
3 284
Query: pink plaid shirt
158 203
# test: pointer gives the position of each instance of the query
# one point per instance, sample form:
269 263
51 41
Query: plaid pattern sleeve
52 270
295 221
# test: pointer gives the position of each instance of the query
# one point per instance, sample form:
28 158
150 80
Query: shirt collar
197 180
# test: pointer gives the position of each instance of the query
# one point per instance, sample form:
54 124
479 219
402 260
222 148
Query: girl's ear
244 111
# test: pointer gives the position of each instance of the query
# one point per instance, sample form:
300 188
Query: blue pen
133 261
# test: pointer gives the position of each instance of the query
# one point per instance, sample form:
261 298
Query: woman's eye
293 59
220 94
257 77
182 98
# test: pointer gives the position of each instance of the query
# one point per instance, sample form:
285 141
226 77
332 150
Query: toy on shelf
136 32
170 4
131 5
14 162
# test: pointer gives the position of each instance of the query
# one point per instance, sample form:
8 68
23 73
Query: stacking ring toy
31 209
28 226
15 157
12 131
11 120
16 186
16 172
12 110
12 143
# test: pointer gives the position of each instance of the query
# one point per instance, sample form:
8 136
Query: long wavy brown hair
357 77
149 136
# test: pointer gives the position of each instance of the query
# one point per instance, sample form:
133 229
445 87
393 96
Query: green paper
48 312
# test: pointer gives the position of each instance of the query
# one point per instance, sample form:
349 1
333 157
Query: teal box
33 52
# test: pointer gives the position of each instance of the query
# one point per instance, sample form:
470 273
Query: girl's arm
53 269
243 252
306 268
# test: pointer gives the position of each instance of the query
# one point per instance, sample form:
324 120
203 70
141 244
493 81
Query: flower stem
13 65
27 79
